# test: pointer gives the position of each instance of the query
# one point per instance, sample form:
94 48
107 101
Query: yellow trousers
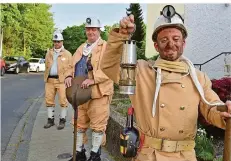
53 86
94 114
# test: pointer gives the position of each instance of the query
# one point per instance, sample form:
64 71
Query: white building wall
209 34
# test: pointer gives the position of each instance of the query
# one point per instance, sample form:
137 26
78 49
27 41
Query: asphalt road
18 92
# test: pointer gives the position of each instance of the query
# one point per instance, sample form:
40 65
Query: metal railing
223 53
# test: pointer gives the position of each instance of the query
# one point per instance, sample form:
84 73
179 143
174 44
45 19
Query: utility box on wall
227 68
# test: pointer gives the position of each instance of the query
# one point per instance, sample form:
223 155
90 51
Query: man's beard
171 53
174 56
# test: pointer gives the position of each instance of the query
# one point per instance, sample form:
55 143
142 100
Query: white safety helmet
92 22
169 18
57 36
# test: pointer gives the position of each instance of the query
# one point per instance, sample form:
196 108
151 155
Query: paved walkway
52 144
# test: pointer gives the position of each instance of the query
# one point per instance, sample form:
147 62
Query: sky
75 14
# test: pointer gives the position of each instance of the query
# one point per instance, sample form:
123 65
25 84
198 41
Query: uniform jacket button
162 105
182 107
181 131
183 86
162 129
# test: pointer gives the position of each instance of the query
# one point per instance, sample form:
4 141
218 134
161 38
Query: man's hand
127 25
87 83
67 82
227 114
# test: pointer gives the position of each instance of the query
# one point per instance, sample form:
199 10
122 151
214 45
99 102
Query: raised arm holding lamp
168 91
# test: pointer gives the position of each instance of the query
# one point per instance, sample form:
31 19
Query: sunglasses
56 41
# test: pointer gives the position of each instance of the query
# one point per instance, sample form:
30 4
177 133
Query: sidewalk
52 144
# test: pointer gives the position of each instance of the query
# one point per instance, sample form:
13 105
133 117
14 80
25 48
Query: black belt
53 76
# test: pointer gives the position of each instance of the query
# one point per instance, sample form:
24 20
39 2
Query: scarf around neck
173 66
59 50
87 49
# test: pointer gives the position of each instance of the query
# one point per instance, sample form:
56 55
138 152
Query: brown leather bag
75 94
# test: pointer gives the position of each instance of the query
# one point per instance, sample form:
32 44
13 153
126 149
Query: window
8 58
33 60
41 61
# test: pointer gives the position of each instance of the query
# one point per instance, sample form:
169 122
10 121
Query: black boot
61 123
95 156
50 122
80 156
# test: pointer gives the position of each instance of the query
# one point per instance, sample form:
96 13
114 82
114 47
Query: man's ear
184 43
156 46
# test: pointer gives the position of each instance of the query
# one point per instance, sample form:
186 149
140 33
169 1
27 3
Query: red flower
223 89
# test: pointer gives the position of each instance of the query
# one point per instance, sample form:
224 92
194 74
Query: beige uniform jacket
64 62
103 85
177 103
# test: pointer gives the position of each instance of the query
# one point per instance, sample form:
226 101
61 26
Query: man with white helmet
57 61
94 113
168 93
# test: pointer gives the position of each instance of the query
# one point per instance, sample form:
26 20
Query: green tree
108 28
74 36
139 34
37 28
105 33
115 25
10 24
27 29
141 51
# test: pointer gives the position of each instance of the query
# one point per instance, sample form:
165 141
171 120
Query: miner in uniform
168 93
94 113
57 61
